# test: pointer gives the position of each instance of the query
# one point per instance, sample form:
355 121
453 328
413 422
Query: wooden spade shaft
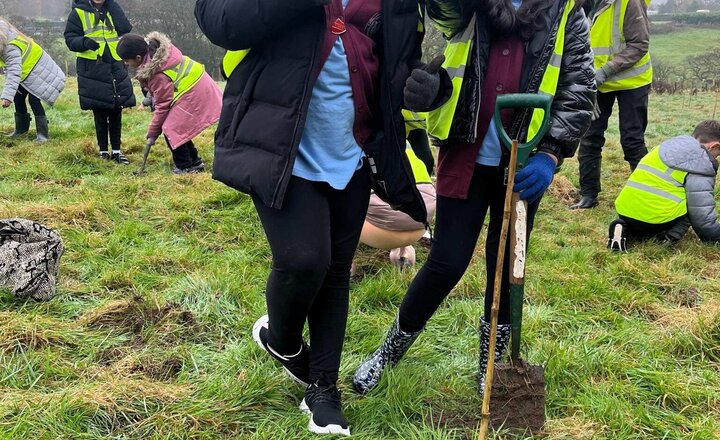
507 215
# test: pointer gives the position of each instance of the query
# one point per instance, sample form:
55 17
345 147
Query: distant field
676 46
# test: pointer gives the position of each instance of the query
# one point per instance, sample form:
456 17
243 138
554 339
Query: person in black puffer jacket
92 31
526 46
311 111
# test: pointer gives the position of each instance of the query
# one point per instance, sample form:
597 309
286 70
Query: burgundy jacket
456 163
357 25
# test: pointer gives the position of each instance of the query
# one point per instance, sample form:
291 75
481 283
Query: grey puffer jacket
575 97
46 81
685 153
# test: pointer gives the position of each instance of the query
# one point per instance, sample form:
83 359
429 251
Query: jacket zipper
307 90
392 117
476 117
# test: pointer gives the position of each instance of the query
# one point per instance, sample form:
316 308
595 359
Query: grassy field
163 278
676 46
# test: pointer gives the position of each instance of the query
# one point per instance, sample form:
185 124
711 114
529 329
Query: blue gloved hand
533 180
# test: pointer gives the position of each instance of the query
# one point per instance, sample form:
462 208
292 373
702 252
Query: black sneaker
323 405
191 170
296 366
120 159
104 155
617 239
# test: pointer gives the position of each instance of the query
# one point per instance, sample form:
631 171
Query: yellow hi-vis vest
31 54
655 193
457 55
100 33
607 38
184 77
420 172
232 59
414 121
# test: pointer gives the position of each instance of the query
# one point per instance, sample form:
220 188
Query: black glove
423 86
91 44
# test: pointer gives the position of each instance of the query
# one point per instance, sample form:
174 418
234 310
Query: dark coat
267 96
103 84
575 97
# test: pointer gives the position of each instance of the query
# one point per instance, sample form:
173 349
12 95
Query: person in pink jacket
187 100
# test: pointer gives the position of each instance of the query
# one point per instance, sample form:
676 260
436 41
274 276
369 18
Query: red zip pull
338 28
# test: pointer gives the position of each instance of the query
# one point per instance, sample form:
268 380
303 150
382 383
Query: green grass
674 47
163 277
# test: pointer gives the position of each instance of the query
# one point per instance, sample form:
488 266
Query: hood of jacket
7 34
167 56
685 153
86 5
4 37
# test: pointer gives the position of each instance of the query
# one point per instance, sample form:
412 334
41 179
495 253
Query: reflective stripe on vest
232 59
31 53
414 121
655 193
184 77
457 55
420 172
100 33
551 77
607 38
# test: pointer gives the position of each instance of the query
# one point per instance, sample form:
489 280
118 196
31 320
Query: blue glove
533 180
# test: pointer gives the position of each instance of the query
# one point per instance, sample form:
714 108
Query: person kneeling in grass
386 228
186 99
670 190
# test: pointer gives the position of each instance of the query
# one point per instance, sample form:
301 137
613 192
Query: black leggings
313 240
108 122
184 156
21 105
457 228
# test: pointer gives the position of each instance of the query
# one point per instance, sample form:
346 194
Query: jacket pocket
238 97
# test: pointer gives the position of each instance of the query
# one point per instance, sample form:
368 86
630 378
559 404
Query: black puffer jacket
267 96
103 84
575 97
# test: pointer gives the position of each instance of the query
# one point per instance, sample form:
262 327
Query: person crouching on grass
186 99
671 189
32 75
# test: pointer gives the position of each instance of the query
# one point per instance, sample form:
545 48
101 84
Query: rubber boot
41 124
501 344
22 124
397 343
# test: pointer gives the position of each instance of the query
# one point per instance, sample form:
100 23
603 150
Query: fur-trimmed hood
165 57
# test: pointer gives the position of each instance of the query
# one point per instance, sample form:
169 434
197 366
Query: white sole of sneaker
617 239
259 324
329 429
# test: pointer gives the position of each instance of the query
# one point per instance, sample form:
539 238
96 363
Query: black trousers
108 122
636 230
184 156
633 115
313 240
21 105
457 228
